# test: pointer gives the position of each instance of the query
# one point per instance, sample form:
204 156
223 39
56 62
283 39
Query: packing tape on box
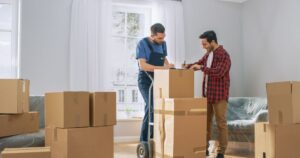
162 130
27 149
193 112
55 135
32 117
199 150
166 156
196 150
10 118
161 122
105 119
160 92
20 95
105 97
75 99
181 73
23 92
280 116
77 119
16 117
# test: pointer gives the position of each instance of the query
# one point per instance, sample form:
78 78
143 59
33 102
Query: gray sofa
28 140
242 115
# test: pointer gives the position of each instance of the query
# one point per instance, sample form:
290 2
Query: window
135 96
129 26
8 38
121 96
130 23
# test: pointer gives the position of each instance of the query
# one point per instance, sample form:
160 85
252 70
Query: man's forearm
190 65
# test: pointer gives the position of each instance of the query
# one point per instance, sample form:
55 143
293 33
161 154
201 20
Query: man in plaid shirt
215 65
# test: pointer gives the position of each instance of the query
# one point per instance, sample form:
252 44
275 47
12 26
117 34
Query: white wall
225 19
44 53
271 38
44 44
45 34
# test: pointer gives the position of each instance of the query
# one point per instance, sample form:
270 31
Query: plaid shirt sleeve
221 68
200 62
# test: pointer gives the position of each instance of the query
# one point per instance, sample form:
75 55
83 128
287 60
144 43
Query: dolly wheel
142 150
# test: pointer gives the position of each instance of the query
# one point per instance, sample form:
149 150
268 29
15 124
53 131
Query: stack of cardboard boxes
179 118
15 117
80 124
280 137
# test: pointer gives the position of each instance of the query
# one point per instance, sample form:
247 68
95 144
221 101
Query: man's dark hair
209 36
157 28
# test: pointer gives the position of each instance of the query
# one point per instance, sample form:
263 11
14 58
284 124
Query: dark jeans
144 84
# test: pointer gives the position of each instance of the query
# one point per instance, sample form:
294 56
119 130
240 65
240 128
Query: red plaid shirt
218 76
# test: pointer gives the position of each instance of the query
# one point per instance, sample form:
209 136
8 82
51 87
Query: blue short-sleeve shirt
143 51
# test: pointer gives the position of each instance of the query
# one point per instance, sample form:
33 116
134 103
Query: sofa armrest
262 116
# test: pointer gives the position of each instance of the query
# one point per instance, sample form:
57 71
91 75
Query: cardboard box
67 109
14 96
92 142
180 127
19 124
277 141
49 133
103 109
173 84
36 152
284 102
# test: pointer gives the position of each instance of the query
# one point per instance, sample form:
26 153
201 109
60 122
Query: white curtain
170 14
89 39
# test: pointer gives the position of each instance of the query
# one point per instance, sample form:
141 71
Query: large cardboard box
284 102
19 124
36 152
180 127
67 109
277 141
92 142
14 96
173 84
103 109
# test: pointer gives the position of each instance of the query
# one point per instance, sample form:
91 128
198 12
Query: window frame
126 8
135 96
121 95
15 35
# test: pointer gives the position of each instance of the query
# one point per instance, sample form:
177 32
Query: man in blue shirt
151 54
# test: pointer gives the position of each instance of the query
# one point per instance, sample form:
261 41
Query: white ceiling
235 1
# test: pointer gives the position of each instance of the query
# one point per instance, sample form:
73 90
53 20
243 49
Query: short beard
157 42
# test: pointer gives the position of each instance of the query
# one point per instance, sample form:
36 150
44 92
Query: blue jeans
144 84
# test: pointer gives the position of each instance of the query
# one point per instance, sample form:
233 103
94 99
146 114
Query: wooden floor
125 150
129 151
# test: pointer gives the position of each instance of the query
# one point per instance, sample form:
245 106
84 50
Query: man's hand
170 66
184 66
195 67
